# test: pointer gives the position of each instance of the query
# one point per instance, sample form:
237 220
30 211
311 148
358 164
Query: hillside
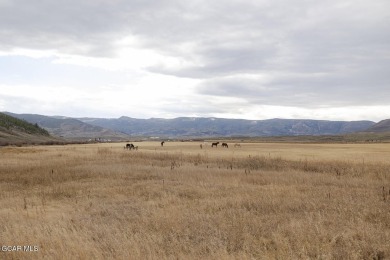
70 128
209 127
380 127
16 131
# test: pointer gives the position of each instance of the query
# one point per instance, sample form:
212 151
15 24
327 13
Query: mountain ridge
124 127
211 126
16 131
69 128
380 127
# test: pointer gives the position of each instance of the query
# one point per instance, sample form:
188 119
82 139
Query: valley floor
257 201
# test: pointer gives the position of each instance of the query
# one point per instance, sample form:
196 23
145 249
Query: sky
250 59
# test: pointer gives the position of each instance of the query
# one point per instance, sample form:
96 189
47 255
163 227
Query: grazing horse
237 145
225 145
130 146
215 144
162 143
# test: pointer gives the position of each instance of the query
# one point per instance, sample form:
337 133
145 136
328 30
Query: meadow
257 201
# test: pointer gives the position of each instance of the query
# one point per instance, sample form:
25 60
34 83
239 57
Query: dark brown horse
162 143
130 146
215 144
225 145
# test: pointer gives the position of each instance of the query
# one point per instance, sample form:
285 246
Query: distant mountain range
193 127
209 127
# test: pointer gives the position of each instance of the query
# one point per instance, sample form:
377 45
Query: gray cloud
292 53
76 27
306 90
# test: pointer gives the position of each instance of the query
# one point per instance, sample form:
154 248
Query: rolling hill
17 131
380 127
70 128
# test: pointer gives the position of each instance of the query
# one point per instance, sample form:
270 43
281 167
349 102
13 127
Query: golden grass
260 201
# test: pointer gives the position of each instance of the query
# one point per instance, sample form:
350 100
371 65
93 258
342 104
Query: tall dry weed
105 202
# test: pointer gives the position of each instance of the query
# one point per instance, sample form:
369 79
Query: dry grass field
257 201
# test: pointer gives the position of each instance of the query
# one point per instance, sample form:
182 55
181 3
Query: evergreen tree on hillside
10 123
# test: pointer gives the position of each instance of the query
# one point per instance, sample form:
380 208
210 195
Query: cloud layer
303 54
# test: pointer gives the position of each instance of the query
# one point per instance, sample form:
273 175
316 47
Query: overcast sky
252 59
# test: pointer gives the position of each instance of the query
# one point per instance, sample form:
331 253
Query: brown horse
215 144
225 145
130 146
162 143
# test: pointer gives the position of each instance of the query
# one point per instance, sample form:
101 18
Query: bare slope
382 126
